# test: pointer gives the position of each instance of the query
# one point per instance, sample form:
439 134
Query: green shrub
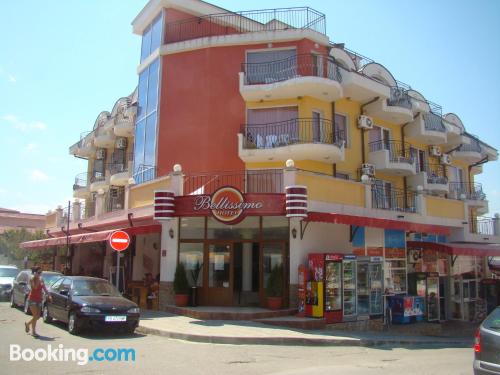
181 284
274 287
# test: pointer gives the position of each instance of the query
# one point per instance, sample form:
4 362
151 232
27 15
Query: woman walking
35 300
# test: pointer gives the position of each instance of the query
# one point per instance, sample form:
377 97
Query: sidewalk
254 333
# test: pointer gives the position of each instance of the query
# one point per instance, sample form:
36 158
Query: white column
296 251
420 202
177 180
289 174
368 196
59 217
247 266
169 249
100 203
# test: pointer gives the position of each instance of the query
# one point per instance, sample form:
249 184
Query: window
342 128
342 175
271 66
151 37
271 127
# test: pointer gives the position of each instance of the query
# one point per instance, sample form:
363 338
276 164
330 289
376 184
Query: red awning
458 248
364 221
81 238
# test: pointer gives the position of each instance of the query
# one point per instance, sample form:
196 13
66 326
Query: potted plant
274 288
181 286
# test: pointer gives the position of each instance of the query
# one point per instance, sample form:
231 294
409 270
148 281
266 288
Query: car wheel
45 315
130 330
26 307
73 326
12 303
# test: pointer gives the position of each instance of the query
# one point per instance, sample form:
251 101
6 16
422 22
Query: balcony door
378 134
272 127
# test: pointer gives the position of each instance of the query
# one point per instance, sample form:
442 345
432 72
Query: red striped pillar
296 201
164 205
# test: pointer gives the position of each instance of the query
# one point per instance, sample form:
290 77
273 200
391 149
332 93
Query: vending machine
369 280
333 288
426 285
349 288
314 289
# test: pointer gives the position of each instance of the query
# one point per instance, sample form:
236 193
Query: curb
297 341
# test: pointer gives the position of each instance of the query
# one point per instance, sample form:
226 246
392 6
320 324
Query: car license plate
114 318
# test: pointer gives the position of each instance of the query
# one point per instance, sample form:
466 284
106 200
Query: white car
7 276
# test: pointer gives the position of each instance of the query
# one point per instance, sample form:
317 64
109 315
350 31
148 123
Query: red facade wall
201 109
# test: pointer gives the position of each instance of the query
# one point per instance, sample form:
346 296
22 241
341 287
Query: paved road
159 355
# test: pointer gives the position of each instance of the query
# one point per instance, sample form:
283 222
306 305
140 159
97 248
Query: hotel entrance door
220 274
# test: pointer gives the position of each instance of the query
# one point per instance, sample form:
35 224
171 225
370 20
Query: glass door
375 278
349 287
333 287
220 274
363 292
273 255
432 298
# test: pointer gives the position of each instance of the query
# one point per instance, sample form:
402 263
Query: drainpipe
334 129
362 109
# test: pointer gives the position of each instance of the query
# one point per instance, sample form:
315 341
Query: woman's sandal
26 327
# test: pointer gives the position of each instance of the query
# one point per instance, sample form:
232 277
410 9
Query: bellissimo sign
227 204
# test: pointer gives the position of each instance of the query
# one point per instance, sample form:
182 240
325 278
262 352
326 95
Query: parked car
21 287
89 302
487 345
7 276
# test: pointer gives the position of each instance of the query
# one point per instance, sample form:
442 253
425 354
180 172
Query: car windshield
8 272
493 320
94 288
50 278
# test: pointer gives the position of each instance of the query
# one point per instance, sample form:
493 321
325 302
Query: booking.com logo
80 356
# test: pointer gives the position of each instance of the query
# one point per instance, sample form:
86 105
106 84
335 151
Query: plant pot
274 303
181 300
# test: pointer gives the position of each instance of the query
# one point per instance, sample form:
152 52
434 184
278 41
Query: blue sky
63 62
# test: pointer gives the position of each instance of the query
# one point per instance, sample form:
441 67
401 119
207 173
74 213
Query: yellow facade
445 208
143 195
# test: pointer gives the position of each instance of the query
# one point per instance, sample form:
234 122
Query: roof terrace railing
433 122
245 22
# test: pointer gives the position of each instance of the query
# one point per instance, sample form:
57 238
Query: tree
12 238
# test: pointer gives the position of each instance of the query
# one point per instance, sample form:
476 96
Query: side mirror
64 292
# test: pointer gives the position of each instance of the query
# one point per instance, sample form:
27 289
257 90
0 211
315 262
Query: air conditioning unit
446 159
100 153
435 151
368 169
121 143
114 192
365 122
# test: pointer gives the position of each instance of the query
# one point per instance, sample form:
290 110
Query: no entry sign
119 240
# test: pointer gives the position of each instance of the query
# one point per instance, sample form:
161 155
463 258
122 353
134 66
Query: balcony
81 187
470 153
120 172
392 157
300 75
99 181
432 178
230 23
393 199
483 226
472 193
396 109
299 139
84 148
125 124
114 199
104 137
427 128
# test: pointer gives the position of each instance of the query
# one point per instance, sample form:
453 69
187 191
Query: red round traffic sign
119 240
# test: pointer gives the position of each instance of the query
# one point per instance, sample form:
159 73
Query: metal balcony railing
82 181
250 181
114 199
245 22
474 146
482 225
294 131
144 173
399 98
436 174
97 176
467 190
434 122
304 65
88 209
393 199
399 152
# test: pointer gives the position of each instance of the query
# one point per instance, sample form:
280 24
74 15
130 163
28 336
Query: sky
63 62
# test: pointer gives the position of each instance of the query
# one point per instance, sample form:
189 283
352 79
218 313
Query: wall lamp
294 233
171 233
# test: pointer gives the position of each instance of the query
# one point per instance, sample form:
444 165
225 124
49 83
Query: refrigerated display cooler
426 285
333 288
314 288
349 288
370 277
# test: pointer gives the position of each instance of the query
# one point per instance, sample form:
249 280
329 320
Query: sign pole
118 271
